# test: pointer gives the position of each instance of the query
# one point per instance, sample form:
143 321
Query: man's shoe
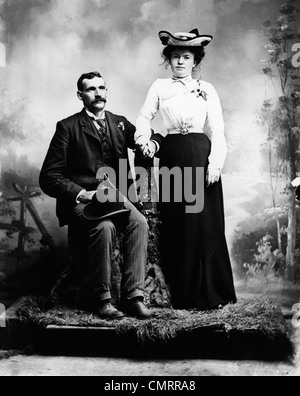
137 309
107 311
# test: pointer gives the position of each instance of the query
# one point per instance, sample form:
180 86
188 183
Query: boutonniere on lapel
199 93
121 126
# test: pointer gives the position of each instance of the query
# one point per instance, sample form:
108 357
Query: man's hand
296 182
142 142
86 196
150 150
213 176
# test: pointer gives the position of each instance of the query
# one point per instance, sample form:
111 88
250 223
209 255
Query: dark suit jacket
74 157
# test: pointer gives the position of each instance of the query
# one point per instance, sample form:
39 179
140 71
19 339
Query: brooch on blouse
185 128
199 93
185 131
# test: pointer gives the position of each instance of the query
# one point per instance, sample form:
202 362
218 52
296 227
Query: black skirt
195 256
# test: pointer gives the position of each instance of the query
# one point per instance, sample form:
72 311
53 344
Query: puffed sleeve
147 113
216 124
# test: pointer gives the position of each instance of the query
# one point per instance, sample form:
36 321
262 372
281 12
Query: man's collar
92 115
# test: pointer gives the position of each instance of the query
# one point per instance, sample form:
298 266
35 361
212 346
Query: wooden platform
202 342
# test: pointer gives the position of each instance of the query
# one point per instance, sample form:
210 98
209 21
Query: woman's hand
213 176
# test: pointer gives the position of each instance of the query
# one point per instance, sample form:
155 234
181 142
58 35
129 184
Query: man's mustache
100 100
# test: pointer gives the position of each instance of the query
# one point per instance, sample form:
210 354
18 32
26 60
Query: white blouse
186 105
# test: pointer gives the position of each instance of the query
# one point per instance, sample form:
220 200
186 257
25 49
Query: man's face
94 94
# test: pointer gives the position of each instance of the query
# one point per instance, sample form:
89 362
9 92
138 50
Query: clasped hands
149 149
147 146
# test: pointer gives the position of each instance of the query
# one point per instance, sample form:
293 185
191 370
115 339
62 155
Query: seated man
82 144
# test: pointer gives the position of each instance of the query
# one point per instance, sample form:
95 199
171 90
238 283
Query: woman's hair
198 52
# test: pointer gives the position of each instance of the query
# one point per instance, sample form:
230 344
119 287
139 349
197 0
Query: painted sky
50 43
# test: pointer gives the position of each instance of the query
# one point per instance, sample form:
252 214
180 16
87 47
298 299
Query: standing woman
195 256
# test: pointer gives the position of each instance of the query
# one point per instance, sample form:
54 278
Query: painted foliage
253 63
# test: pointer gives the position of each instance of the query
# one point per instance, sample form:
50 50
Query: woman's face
182 63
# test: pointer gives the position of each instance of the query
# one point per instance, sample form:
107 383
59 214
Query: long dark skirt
195 256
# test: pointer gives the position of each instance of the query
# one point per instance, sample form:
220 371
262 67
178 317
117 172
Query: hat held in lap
106 203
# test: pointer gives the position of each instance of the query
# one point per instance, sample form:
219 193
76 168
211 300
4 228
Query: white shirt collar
184 81
92 115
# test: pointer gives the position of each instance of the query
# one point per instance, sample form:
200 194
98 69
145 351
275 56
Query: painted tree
282 115
10 130
12 115
19 129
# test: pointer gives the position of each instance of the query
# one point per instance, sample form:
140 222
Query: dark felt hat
191 39
106 203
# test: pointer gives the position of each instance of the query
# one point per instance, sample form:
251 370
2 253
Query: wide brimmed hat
99 210
191 39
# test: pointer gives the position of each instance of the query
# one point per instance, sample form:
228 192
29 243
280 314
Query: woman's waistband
183 131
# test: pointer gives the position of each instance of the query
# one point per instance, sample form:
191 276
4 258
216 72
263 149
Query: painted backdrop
47 44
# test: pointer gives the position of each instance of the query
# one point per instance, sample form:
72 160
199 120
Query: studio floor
72 366
19 365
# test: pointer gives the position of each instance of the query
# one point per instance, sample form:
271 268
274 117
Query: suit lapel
115 132
87 126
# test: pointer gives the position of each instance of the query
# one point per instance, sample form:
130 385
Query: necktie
102 130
